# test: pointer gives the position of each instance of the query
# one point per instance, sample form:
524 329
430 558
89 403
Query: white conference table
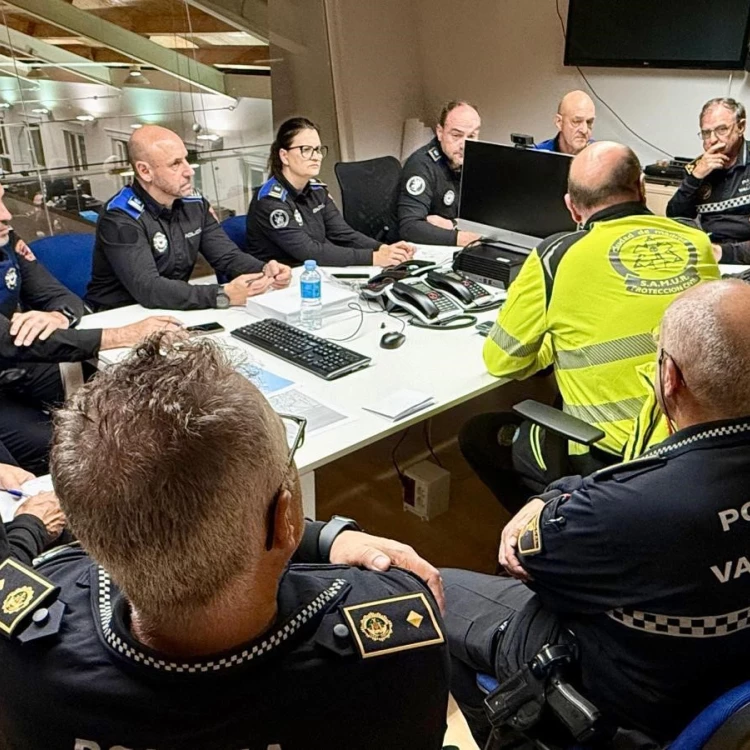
446 365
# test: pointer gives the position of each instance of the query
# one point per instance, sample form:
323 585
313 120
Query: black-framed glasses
308 151
294 427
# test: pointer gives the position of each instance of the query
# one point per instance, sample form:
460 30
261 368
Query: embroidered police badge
415 185
279 218
160 243
11 278
449 197
298 216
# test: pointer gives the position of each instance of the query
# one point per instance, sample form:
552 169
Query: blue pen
16 493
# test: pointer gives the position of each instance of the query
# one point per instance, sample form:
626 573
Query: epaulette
691 165
273 189
384 626
192 198
629 469
434 154
126 200
27 609
317 184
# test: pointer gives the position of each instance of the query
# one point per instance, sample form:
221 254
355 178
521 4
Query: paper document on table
400 404
9 503
265 381
319 416
438 254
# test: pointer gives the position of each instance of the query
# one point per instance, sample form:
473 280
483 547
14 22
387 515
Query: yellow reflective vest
589 301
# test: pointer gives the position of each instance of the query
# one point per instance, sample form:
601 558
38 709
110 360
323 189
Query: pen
16 493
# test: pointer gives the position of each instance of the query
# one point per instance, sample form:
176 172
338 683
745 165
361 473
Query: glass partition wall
69 102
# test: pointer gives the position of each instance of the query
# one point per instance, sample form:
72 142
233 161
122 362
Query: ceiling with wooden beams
172 24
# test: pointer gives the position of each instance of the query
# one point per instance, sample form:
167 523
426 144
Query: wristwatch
331 530
222 299
455 223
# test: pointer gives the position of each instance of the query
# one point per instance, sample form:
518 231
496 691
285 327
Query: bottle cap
311 265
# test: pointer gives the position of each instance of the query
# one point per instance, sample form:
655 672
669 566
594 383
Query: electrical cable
426 431
362 313
596 94
393 455
448 325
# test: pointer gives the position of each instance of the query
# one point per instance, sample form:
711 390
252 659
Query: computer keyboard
312 353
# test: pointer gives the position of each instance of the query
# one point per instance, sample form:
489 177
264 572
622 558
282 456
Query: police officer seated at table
149 235
575 124
431 180
716 189
37 521
37 316
185 626
292 218
587 302
644 564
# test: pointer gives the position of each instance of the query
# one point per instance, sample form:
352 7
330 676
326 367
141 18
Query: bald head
575 121
603 174
575 101
705 332
159 160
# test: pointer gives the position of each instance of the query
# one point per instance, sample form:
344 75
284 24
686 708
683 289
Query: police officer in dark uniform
431 180
716 189
644 565
37 316
292 218
187 626
149 236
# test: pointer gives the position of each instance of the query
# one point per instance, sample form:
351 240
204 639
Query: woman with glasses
292 218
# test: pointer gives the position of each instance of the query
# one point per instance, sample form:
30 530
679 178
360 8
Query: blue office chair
722 725
68 258
235 227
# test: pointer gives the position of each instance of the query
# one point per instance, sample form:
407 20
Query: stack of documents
400 404
284 304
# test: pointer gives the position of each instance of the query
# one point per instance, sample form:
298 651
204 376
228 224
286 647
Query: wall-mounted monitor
658 33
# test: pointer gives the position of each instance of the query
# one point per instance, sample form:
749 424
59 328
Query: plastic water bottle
311 309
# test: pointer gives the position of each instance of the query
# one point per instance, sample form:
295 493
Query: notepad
284 304
401 403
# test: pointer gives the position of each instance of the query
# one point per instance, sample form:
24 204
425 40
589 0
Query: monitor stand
526 241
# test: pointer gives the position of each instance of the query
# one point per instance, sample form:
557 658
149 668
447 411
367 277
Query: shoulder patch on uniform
530 539
279 218
22 590
415 185
127 201
387 626
272 189
630 468
434 154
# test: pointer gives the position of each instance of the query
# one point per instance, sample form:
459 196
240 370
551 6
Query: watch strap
330 531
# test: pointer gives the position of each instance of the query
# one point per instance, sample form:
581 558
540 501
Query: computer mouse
392 340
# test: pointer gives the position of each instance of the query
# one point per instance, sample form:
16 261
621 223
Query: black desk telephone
468 293
425 303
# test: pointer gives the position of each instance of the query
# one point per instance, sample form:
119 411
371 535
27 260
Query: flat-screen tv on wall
658 33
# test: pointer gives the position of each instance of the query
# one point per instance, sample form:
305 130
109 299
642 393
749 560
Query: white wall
506 55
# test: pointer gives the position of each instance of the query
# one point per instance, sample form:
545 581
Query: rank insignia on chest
11 278
388 626
22 590
159 243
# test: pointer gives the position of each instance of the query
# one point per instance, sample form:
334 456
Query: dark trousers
494 625
25 421
511 456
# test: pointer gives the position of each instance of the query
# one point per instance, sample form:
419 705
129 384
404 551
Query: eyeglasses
295 437
308 151
719 132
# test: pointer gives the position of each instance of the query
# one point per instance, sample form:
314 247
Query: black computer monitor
515 189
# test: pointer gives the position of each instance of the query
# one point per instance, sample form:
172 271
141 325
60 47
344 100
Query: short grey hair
711 350
737 108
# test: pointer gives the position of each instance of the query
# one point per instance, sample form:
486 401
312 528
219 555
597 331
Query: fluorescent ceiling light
85 118
208 137
40 111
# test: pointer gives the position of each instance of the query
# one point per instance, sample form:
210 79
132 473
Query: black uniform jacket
355 659
648 563
721 201
294 226
145 253
25 284
428 187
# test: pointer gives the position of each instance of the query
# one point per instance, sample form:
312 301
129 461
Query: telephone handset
425 303
468 293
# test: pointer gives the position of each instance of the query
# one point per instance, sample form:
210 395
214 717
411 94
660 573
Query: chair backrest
369 196
723 725
235 227
68 258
